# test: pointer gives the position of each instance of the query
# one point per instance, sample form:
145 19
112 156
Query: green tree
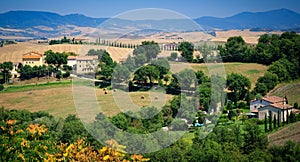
162 65
201 77
186 79
103 56
149 48
206 51
130 63
234 50
66 74
239 85
5 68
205 96
25 72
187 50
174 56
296 105
269 79
57 59
121 74
261 88
146 73
265 122
284 69
253 138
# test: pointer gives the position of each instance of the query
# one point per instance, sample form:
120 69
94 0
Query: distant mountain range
37 23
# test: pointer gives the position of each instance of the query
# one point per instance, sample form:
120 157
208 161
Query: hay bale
105 92
142 97
104 89
115 90
156 98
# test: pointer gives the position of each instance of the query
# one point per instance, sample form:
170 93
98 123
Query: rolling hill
47 24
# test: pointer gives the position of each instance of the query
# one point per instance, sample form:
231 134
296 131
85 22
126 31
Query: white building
86 64
271 105
72 62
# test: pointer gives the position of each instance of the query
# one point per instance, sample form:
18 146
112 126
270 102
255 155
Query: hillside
15 52
291 90
250 70
37 24
280 137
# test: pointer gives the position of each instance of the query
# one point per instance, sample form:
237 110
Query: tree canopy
239 85
57 59
187 51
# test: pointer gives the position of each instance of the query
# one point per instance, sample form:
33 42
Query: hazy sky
109 8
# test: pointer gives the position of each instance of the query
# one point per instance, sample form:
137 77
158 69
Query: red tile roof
281 106
273 99
87 58
72 57
32 55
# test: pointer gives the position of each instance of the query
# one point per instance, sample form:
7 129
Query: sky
111 8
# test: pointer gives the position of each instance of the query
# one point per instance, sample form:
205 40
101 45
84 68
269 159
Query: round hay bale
142 97
156 98
105 92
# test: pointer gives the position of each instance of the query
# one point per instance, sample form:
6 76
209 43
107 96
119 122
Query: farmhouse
273 106
32 59
72 61
86 64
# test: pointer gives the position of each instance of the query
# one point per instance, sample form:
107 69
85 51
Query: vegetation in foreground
40 136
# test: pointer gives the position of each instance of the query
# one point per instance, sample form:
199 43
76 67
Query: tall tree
149 48
5 68
146 73
57 59
187 50
187 79
239 85
235 50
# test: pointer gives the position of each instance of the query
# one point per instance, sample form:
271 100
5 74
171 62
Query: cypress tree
287 116
270 120
266 128
278 119
283 117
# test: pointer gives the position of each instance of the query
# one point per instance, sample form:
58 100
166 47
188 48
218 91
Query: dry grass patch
58 101
290 90
280 137
251 70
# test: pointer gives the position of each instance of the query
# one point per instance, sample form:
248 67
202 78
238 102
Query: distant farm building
32 59
86 64
273 106
72 61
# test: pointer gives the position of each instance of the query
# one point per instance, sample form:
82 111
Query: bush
1 87
67 74
242 104
58 74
